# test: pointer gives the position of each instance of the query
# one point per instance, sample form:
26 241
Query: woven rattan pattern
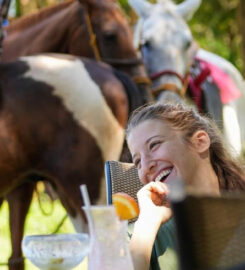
124 178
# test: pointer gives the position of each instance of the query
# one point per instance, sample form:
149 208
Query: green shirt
164 254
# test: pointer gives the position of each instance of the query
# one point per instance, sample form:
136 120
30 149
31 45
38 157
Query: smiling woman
169 142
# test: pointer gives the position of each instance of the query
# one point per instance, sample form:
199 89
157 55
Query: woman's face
160 153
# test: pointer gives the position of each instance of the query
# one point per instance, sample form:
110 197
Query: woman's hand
154 210
154 204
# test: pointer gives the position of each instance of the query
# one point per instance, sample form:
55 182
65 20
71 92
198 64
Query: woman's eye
153 144
136 163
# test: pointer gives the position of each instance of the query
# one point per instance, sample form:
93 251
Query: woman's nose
148 167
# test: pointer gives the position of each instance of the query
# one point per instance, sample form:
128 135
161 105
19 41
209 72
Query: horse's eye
187 44
109 36
146 44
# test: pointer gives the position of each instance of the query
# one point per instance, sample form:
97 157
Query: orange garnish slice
126 206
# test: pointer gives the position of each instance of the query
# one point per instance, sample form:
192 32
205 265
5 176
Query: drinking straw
85 195
84 192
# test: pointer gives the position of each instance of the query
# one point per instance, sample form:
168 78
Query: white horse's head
165 39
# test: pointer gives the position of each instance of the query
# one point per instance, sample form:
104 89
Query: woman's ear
200 141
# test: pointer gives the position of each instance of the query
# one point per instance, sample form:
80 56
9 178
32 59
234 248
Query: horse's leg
1 201
86 168
19 201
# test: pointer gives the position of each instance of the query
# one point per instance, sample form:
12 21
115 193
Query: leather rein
170 86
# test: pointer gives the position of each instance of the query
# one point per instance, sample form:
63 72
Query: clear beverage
109 247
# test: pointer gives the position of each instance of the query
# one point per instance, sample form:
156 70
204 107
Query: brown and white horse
61 118
66 28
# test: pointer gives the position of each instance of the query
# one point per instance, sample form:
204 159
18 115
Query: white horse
171 55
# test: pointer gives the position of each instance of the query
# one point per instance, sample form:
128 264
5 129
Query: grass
36 223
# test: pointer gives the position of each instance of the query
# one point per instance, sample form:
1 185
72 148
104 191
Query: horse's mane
135 98
169 5
25 22
32 19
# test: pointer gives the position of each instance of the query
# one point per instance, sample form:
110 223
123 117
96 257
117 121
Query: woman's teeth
162 175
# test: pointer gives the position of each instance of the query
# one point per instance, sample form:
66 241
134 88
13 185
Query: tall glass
108 235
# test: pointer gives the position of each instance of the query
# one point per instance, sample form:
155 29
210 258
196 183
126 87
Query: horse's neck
51 35
31 20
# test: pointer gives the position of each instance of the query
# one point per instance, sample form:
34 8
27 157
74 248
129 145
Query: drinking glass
109 247
56 251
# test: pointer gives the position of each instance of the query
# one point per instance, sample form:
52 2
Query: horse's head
113 43
113 34
165 40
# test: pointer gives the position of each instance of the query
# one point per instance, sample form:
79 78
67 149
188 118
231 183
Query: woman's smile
163 175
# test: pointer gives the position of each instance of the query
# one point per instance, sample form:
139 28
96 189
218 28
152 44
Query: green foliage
124 4
215 26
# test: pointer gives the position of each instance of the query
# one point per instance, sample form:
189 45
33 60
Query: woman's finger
155 191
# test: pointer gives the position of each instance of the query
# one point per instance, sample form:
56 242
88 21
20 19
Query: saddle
211 88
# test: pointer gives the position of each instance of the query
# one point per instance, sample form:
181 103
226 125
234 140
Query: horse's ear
88 2
89 5
95 2
138 33
141 7
188 8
